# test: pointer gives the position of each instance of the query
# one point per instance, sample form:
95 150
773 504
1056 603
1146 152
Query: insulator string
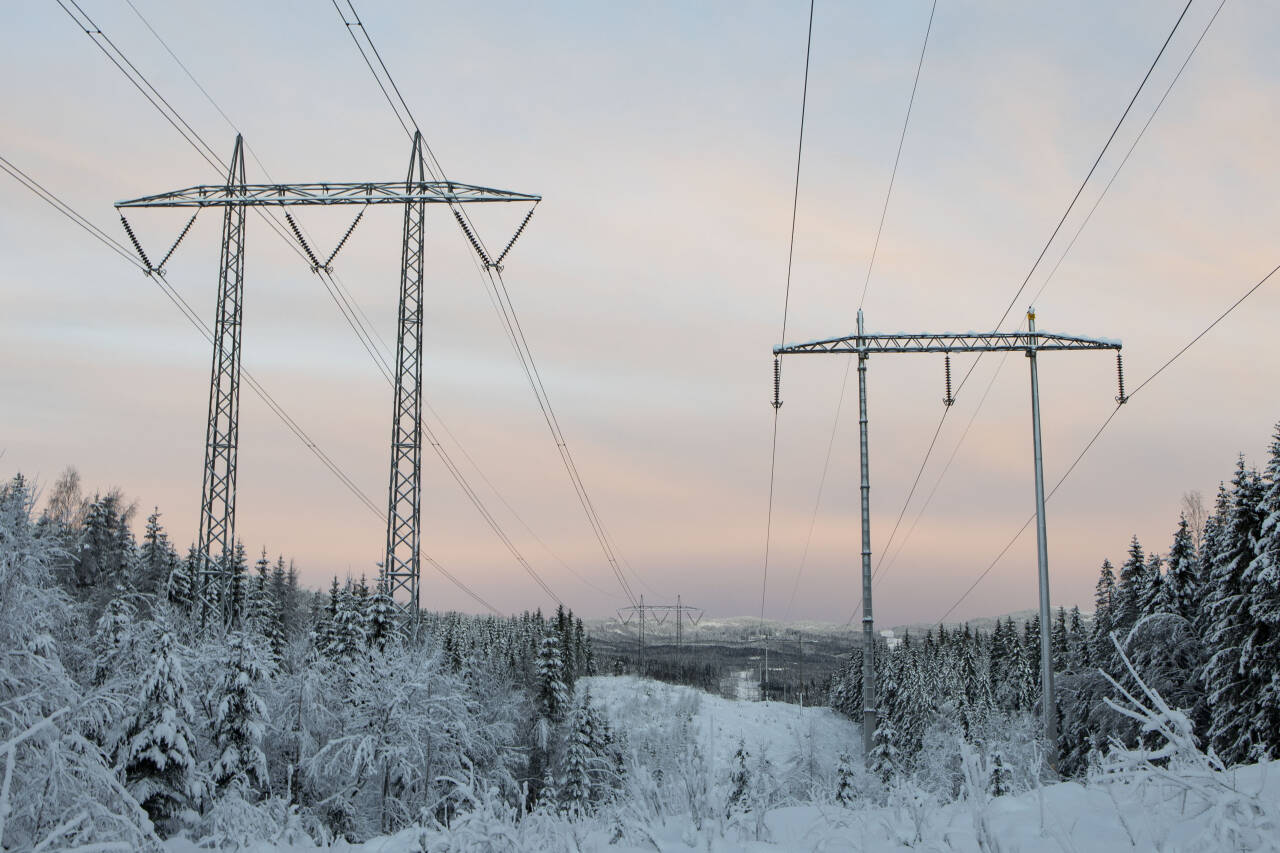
777 382
948 400
128 229
345 237
475 244
1121 398
515 236
174 247
315 264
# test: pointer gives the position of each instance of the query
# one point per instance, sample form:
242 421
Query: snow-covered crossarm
949 342
288 195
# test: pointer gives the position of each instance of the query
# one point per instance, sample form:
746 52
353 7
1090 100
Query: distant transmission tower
659 613
218 493
1029 342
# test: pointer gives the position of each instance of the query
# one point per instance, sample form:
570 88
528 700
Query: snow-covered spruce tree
1182 580
106 543
578 760
238 720
382 622
553 692
1104 614
1126 604
113 635
1232 697
156 559
999 775
846 786
158 755
1078 656
1151 596
57 793
739 781
236 594
181 586
1260 651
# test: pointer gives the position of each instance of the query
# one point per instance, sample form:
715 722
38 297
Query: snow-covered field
669 728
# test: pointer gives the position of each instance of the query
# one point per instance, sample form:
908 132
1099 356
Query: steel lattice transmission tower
222 437
1029 342
402 566
404 502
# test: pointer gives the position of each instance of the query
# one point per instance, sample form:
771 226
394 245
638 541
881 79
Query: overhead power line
1035 265
493 277
1101 428
198 323
875 247
782 336
342 300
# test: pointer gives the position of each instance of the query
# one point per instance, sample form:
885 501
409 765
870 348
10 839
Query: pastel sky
650 282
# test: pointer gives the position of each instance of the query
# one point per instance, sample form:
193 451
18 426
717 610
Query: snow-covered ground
801 746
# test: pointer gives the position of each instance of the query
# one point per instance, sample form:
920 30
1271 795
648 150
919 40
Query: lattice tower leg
404 503
218 492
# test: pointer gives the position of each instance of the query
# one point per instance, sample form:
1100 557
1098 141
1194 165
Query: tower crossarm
949 342
329 193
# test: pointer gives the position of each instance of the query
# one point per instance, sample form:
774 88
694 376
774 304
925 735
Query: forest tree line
1200 622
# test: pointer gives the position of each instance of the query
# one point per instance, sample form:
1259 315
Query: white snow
1101 816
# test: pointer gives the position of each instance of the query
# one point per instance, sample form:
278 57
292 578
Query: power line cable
786 303
902 138
199 324
352 314
1107 422
1129 153
875 247
973 366
510 320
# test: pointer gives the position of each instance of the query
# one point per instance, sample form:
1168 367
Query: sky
650 283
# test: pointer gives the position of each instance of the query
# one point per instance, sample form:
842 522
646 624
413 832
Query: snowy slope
643 709
661 720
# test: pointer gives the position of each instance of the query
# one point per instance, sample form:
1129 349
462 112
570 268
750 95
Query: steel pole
1048 702
868 633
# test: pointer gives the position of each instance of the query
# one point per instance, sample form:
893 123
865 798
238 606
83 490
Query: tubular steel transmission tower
1029 342
218 495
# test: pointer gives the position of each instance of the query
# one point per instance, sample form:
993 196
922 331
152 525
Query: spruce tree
846 790
1103 614
1182 580
180 588
579 759
1151 596
1127 606
159 750
553 694
739 781
156 558
1233 699
1260 654
1078 657
238 720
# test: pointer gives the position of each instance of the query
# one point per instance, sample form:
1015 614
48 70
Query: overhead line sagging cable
496 284
356 319
902 138
875 247
1071 205
786 304
341 299
1107 422
202 328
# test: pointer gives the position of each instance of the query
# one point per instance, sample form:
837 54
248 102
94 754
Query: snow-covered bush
1178 769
